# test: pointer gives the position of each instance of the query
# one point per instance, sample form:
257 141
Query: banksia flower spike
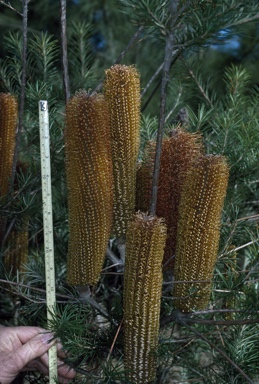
17 253
146 237
8 125
178 153
144 177
90 186
122 90
199 231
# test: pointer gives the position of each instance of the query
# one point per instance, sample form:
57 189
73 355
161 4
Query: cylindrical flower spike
8 126
199 231
145 244
16 256
90 186
122 90
178 153
144 177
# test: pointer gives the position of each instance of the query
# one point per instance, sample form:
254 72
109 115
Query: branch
63 22
8 5
122 54
118 263
243 21
84 297
159 69
240 247
176 315
131 42
23 84
169 48
201 89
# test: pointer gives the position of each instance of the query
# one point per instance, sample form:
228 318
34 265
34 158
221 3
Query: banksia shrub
90 186
199 231
177 156
146 237
122 90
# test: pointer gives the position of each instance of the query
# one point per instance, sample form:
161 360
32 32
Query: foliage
191 347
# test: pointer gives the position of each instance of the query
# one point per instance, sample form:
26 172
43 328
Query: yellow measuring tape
48 228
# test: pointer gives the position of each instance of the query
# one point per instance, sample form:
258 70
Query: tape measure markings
48 228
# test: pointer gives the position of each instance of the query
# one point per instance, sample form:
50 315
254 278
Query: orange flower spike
199 231
178 153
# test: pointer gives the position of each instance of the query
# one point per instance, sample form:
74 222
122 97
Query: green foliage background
211 92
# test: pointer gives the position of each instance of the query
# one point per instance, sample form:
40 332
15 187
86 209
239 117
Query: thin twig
202 90
151 96
122 54
8 5
114 340
130 43
240 247
212 311
169 48
174 317
86 297
159 69
113 258
223 322
243 21
63 22
177 102
252 217
175 56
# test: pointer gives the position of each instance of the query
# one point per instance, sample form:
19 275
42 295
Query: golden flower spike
199 231
8 126
122 90
178 153
16 255
90 186
145 244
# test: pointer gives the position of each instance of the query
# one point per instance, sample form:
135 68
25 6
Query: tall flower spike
17 254
122 90
90 186
8 125
178 153
199 231
146 237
